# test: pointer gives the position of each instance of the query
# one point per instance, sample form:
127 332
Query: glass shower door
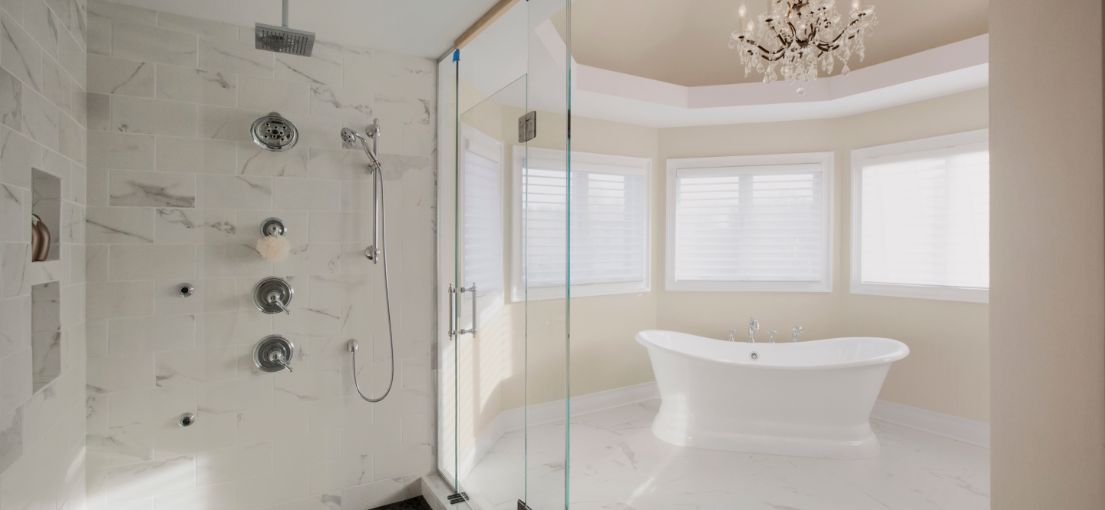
503 393
490 338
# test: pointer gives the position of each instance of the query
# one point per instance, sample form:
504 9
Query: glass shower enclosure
503 277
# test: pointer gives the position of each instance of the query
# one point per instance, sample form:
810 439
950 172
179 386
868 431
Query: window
482 217
610 232
750 223
920 218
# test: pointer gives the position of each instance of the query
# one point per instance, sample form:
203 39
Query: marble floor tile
616 463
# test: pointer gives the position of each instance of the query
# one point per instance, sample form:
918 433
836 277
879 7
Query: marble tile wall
177 193
42 128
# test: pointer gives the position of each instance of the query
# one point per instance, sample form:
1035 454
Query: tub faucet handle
771 335
732 335
795 333
753 327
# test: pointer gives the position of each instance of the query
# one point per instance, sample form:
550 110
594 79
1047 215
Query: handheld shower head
350 136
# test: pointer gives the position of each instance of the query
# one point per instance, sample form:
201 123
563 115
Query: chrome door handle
475 309
452 310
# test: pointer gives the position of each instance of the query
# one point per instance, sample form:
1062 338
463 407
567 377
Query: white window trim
954 143
491 148
627 165
825 159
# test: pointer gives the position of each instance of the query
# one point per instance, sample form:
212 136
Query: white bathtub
809 399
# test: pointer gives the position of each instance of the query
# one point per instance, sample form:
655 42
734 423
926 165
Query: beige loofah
273 248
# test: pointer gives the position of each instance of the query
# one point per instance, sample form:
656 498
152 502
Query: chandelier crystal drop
799 38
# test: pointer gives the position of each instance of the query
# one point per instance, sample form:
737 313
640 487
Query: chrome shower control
273 295
273 354
273 227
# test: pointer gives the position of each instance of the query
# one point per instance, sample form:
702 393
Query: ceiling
686 41
425 28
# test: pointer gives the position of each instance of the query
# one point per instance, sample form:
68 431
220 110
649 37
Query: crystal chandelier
799 37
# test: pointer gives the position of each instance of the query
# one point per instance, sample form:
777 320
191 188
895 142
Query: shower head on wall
273 132
283 39
352 137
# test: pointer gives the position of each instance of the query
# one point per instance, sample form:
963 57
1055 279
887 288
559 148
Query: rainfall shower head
283 39
274 133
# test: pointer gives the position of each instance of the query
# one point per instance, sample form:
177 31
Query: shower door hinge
523 506
458 498
527 127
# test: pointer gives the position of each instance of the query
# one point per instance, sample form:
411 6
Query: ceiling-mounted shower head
274 133
283 39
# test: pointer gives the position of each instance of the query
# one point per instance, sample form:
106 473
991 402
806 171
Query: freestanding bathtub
810 399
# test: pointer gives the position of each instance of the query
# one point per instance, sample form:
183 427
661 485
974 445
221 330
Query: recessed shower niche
46 216
45 333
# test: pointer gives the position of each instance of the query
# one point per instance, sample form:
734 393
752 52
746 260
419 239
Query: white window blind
482 216
757 223
922 215
609 219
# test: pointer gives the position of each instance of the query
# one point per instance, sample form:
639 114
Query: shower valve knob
187 289
273 295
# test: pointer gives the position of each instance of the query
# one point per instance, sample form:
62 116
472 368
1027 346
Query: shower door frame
556 98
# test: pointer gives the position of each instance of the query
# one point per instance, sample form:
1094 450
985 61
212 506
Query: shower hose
378 174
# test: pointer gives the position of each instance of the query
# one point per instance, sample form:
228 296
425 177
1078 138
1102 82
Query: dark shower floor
410 504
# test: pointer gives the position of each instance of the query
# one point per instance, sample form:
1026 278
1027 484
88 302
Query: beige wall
1048 243
947 372
948 368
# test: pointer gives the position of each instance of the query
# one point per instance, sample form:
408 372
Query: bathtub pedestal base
862 447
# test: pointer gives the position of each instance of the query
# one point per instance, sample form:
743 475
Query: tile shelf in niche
46 216
45 334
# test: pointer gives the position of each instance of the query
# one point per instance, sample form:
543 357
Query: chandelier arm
771 55
846 29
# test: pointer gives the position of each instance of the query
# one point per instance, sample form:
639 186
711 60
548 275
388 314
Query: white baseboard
953 427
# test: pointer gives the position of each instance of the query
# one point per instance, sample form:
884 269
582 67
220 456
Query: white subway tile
354 107
110 75
176 154
119 299
197 85
226 123
235 57
310 194
237 191
152 44
204 28
178 226
162 333
152 116
120 225
254 160
152 189
289 98
150 261
19 53
120 151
